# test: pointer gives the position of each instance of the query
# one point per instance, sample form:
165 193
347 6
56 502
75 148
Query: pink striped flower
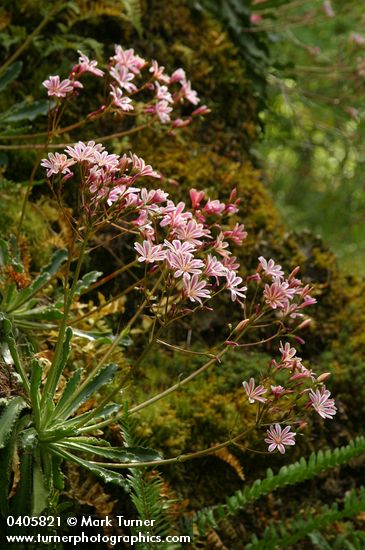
237 234
277 391
174 215
123 77
60 88
162 109
57 163
302 373
162 93
231 263
288 355
233 282
178 76
277 438
158 72
128 59
276 295
254 393
220 246
192 232
143 169
184 263
177 247
189 94
123 102
84 152
194 289
106 160
214 268
214 207
270 268
87 66
149 252
321 402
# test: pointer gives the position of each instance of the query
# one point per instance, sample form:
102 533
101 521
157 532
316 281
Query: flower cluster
129 74
194 247
286 295
106 179
63 88
195 250
302 391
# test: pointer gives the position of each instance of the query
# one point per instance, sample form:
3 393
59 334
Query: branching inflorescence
186 249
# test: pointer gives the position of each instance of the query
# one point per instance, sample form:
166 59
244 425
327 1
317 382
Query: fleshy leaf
25 110
45 275
86 281
40 491
104 375
117 454
9 417
10 75
108 476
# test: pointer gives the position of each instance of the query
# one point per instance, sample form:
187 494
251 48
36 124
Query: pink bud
255 18
255 277
230 343
98 112
304 324
67 177
294 272
233 195
74 71
277 391
202 110
178 76
196 197
180 123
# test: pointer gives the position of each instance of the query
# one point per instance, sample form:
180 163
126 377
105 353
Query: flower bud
242 325
293 273
322 377
98 112
277 391
304 324
255 277
203 110
302 425
181 123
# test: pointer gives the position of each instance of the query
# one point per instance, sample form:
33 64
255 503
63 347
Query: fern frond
287 475
231 460
133 13
350 540
214 541
299 529
148 494
128 10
